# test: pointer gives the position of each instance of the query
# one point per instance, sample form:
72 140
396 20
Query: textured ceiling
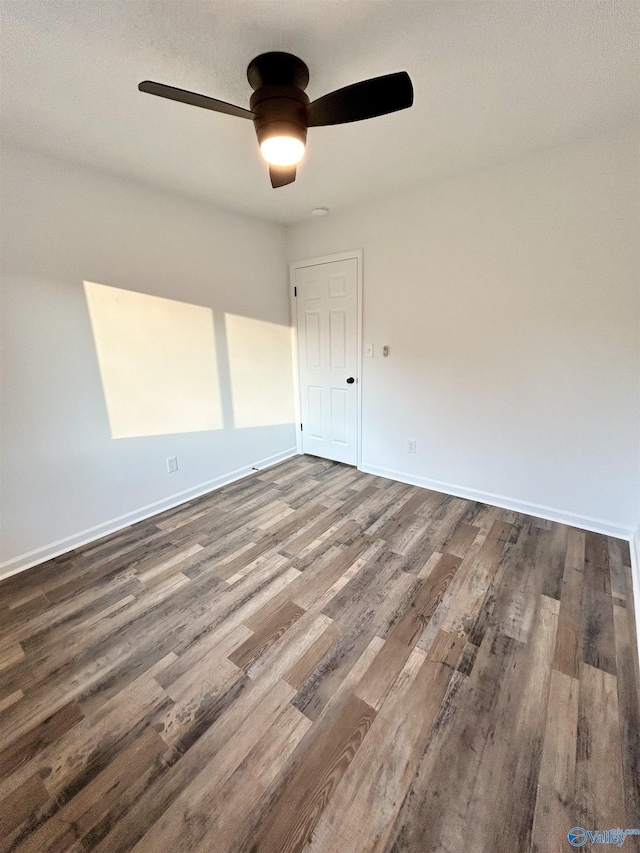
492 80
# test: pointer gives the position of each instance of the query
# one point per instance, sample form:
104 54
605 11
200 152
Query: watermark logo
578 836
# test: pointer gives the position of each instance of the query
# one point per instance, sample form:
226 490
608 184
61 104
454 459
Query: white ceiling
492 81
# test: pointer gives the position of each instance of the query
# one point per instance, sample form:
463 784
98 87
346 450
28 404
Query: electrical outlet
411 445
172 464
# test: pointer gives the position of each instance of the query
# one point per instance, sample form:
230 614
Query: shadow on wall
172 367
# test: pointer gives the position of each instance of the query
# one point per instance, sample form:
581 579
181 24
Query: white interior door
327 320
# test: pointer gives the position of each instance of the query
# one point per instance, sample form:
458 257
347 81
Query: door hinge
300 427
295 291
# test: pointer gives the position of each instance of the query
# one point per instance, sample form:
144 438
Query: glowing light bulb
282 150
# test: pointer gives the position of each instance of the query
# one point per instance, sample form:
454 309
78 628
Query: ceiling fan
281 111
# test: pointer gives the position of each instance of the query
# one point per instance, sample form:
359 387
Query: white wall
509 299
64 479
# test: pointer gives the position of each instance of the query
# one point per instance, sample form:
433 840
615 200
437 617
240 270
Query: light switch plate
368 352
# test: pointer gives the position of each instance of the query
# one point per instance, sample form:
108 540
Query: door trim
312 262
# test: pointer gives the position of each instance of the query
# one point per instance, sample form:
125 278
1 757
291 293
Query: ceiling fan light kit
281 111
278 104
282 150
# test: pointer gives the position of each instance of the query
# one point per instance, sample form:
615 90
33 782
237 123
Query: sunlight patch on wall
261 372
157 361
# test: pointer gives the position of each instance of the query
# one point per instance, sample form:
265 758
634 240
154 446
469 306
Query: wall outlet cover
172 464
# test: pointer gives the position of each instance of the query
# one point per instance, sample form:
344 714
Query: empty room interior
320 426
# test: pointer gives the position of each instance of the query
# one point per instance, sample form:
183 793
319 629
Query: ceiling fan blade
282 175
193 98
368 99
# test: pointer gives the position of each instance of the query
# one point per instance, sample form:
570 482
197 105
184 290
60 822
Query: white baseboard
634 547
597 525
90 534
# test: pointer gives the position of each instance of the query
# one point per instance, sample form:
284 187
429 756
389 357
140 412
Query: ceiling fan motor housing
279 100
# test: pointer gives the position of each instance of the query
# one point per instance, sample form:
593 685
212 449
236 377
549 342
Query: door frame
312 262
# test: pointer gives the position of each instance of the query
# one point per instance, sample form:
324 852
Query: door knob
350 380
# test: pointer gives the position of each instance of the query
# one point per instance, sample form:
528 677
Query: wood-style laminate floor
315 659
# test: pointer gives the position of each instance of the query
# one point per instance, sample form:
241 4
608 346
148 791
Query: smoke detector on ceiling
320 211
